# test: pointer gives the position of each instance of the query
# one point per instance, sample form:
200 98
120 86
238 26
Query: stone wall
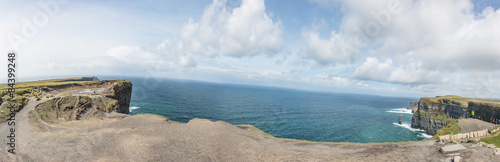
465 136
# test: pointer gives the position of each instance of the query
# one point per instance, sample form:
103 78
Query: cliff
413 106
434 113
72 99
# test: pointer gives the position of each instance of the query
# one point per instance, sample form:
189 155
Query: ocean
284 113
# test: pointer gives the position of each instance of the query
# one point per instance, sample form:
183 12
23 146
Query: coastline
151 137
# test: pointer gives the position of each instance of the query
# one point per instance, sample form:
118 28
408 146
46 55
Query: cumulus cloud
373 69
332 51
420 38
243 31
165 56
385 71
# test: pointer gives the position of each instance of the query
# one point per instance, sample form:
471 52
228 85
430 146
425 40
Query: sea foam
133 108
408 126
400 111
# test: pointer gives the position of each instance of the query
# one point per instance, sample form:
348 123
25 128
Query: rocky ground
154 138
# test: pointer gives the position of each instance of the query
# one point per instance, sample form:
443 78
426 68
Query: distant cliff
413 106
434 113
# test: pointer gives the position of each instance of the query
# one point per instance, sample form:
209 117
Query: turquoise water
286 113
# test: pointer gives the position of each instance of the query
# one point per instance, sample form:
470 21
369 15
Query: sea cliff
434 113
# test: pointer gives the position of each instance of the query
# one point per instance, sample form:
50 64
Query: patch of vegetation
444 118
421 113
451 128
461 100
111 104
65 94
46 110
5 111
492 140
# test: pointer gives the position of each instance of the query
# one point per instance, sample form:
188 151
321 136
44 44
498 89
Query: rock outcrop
121 91
413 106
434 113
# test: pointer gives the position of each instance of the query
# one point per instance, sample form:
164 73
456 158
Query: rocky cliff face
433 114
413 106
486 111
121 91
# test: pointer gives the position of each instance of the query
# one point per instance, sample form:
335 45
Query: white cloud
373 69
245 31
423 42
332 51
385 71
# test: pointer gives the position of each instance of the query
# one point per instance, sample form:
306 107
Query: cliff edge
70 99
434 113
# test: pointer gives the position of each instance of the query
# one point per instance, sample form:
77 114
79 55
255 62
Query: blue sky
408 48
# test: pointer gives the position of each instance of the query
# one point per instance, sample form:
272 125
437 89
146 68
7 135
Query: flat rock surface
472 125
452 148
153 138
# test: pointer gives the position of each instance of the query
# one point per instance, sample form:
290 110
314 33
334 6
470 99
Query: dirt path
472 125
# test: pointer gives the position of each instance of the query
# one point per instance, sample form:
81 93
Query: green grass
492 140
444 118
451 128
26 87
463 100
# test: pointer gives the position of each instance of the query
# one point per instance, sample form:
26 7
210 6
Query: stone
452 148
457 159
491 146
452 155
449 159
483 144
497 151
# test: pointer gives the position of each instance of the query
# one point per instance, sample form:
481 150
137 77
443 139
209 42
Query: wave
400 111
133 108
408 126
425 135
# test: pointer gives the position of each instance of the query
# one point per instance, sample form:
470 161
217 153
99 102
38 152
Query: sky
406 48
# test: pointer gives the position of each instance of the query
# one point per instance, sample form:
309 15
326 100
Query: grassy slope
451 128
492 140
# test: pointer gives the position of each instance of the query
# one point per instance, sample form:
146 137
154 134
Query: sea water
285 113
